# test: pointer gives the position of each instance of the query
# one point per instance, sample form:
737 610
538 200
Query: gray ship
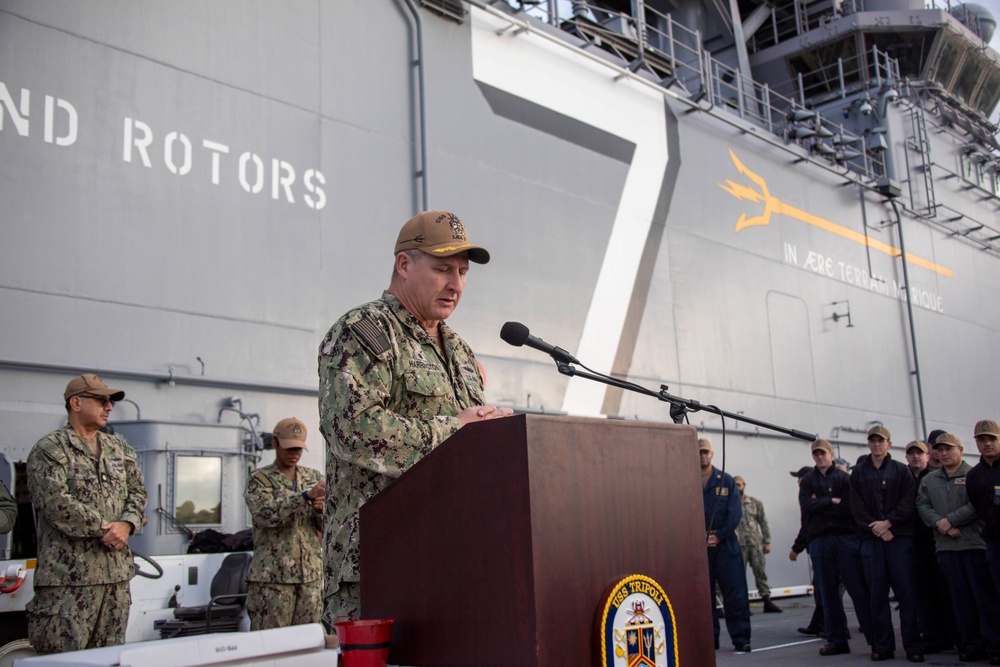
787 209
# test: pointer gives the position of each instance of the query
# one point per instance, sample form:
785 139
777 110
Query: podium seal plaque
636 625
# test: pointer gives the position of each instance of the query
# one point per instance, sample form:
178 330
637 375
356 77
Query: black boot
770 607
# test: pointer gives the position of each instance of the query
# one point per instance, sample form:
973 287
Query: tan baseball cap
878 429
440 234
290 433
916 444
987 427
948 439
704 445
88 383
822 444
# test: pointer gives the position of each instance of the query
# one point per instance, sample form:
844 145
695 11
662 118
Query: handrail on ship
767 109
696 76
792 19
872 69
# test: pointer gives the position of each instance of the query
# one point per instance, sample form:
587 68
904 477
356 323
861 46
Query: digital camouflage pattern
74 493
387 397
81 587
73 618
285 527
8 510
753 528
280 605
342 601
753 533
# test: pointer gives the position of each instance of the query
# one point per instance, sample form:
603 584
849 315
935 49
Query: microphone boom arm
680 406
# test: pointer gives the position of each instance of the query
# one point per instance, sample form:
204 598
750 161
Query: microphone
516 334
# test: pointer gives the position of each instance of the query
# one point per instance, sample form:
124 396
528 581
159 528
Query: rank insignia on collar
637 627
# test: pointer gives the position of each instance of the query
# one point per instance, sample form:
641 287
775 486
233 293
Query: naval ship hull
192 193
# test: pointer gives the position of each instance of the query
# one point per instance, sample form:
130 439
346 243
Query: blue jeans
975 601
836 559
891 564
725 566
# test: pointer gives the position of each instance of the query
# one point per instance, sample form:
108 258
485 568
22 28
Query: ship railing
961 10
783 23
791 19
645 38
795 122
796 17
675 57
844 76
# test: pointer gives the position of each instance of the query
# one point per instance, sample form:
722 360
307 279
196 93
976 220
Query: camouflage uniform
8 510
387 397
81 588
753 533
283 584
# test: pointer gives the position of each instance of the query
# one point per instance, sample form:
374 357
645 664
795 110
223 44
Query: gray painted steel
138 271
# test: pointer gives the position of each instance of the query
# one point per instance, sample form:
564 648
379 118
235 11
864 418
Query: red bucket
365 643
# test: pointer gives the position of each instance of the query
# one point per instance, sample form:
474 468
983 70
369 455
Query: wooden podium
496 548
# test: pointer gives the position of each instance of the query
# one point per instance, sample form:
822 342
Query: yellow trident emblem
774 206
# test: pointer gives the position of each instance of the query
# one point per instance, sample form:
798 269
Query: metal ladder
919 143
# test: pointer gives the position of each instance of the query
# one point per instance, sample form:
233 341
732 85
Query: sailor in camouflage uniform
394 382
286 502
89 497
8 510
754 536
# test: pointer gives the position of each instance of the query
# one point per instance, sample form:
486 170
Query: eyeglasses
103 400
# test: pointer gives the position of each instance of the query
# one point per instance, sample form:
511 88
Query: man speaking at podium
394 382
